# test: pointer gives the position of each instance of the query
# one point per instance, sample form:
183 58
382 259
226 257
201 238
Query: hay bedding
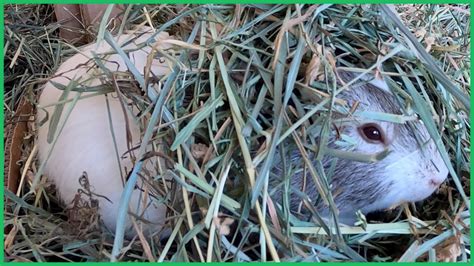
258 42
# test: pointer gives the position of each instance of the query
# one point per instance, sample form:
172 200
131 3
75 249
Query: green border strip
237 2
2 161
471 182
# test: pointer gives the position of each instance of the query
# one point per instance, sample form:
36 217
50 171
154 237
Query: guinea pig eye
372 133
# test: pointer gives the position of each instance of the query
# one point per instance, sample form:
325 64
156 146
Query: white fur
86 145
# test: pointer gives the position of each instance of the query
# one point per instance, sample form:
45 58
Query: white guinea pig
86 143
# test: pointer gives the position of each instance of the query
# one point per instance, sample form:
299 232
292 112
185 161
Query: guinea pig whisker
435 166
404 159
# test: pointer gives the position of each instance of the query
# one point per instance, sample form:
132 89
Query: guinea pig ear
377 82
369 78
380 83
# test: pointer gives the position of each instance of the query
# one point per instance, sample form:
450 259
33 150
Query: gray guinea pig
411 171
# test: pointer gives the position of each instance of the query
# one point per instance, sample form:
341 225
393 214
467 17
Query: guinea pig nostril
435 183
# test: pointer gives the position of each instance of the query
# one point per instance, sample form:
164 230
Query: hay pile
255 61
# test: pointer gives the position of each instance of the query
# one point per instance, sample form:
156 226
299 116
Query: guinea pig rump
96 134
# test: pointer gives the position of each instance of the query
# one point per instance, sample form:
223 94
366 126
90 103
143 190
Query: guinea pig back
90 137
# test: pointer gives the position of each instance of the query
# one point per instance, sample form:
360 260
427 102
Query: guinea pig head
411 169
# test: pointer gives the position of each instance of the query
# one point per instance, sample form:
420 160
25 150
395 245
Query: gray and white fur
408 173
411 171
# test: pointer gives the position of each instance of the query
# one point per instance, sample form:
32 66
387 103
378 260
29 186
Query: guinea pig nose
435 182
